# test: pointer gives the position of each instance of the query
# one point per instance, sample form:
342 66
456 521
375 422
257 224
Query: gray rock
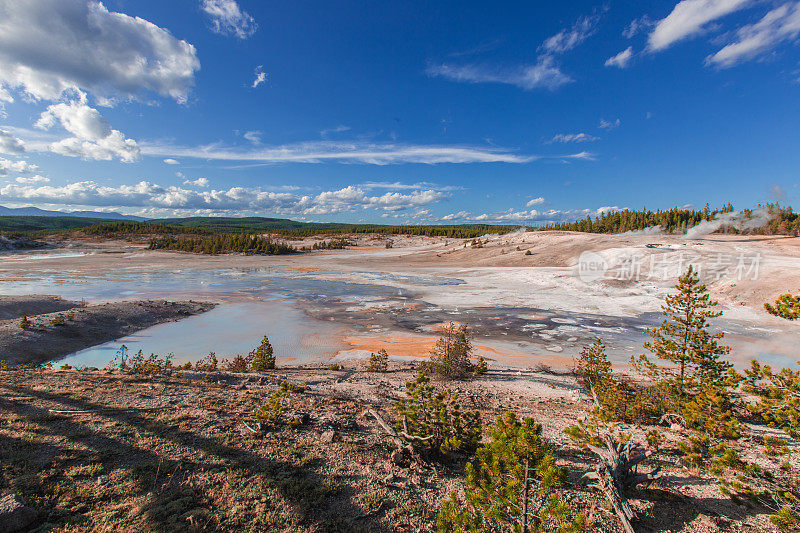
14 514
330 436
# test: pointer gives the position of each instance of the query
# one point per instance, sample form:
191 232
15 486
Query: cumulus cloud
544 74
17 167
261 77
50 46
569 38
32 179
689 18
609 125
227 18
780 24
620 60
145 195
92 137
534 216
535 201
10 145
171 161
198 182
572 138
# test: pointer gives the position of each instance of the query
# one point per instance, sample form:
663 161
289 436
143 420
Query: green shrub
451 354
335 367
262 357
512 485
58 320
437 417
481 367
238 364
378 362
25 323
207 364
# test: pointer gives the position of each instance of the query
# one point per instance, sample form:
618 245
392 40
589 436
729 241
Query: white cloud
569 38
32 179
17 167
572 138
228 18
145 195
253 136
338 129
780 24
199 182
620 60
346 152
461 215
534 216
642 24
689 18
10 144
51 46
606 125
92 138
171 161
400 186
543 74
261 77
535 201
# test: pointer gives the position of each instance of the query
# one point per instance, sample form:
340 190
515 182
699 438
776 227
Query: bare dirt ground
108 451
77 326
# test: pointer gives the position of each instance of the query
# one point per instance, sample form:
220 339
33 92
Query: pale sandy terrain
450 279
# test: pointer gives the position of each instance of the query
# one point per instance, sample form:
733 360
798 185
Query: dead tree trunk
617 472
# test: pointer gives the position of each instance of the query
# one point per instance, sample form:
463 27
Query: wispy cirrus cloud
690 18
570 38
227 18
572 138
542 74
778 25
351 152
620 60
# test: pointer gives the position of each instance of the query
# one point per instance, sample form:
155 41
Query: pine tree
786 306
512 485
450 356
378 362
262 356
25 323
684 339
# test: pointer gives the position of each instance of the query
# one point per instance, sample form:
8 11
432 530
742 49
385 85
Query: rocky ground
113 451
59 327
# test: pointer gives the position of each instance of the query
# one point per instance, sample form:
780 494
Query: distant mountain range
36 212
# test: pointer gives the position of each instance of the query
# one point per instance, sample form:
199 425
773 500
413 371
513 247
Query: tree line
223 243
782 221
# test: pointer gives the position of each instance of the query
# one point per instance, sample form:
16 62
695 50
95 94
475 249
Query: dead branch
617 473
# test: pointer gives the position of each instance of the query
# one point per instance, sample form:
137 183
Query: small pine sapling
512 485
378 362
262 357
435 421
25 323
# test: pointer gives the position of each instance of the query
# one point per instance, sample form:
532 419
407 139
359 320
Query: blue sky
397 111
